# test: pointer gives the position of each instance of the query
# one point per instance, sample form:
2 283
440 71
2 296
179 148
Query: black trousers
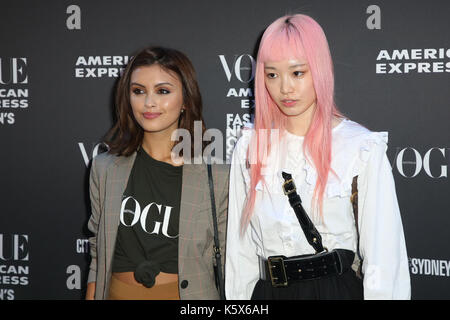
346 286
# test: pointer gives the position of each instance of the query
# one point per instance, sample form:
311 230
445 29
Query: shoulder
351 137
353 147
221 173
103 161
222 177
104 158
349 130
200 171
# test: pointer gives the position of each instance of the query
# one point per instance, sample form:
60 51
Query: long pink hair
296 36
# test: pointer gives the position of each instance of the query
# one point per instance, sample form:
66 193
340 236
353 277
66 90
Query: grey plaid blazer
108 180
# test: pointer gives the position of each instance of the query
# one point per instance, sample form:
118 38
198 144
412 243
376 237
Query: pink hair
296 36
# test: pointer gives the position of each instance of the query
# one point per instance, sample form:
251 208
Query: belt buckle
277 271
288 192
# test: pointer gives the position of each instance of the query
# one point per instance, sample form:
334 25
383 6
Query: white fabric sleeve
382 241
241 267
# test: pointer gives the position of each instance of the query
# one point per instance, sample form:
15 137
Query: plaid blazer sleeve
97 181
93 223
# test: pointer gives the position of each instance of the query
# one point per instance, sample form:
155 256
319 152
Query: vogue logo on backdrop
409 162
95 150
14 259
238 66
14 93
239 72
241 68
401 61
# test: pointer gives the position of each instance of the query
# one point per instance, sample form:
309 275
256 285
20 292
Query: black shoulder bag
218 267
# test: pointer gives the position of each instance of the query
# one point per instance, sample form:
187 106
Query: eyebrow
157 85
290 67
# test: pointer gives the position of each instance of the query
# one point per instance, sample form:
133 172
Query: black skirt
346 286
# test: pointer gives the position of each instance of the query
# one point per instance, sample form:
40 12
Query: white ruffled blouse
275 230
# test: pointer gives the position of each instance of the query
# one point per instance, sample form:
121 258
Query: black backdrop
59 66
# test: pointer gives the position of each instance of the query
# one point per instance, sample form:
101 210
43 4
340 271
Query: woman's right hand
90 291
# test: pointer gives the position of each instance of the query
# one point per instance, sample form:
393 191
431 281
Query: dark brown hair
125 137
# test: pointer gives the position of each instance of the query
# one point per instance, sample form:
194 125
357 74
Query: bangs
282 44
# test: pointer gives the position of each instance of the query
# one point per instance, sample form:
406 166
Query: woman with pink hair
313 212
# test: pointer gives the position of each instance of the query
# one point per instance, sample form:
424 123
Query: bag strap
311 233
216 246
354 201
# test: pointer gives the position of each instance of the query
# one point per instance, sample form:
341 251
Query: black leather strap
217 253
354 201
306 267
310 231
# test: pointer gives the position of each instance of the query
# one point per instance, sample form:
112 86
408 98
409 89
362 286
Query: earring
182 110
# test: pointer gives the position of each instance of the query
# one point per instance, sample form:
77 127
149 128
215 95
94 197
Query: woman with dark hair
151 211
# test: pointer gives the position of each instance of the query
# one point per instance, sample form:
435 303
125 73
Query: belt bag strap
311 233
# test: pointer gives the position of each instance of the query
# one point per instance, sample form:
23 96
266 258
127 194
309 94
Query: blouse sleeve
241 268
382 241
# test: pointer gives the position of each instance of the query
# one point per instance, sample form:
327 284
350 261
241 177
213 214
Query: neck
299 125
159 146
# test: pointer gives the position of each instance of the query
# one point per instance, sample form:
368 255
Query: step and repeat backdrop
60 62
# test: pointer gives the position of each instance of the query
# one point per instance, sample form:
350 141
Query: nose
149 101
286 85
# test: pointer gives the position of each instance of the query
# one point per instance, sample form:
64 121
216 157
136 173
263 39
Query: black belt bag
281 270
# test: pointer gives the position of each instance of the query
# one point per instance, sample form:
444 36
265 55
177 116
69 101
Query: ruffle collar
350 161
